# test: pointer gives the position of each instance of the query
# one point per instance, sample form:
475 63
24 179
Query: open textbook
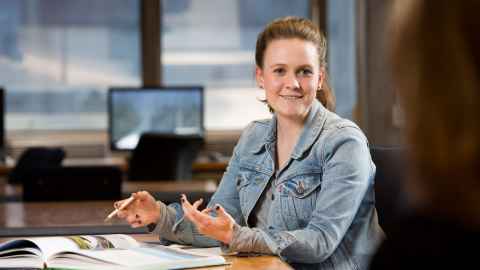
115 251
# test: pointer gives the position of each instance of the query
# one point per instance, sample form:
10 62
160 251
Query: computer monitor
164 110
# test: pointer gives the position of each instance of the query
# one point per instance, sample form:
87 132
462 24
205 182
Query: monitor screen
163 110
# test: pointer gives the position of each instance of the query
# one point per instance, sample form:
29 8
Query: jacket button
300 188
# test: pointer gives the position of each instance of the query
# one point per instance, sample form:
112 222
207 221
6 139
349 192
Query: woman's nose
291 81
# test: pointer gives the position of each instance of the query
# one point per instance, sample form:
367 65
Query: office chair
164 157
390 196
73 183
34 158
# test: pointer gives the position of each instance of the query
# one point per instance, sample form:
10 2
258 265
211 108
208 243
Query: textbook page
52 245
103 252
35 252
143 257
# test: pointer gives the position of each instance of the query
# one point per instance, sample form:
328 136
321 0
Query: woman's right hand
143 211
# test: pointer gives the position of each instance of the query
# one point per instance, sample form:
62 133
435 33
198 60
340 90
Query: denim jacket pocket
299 195
247 183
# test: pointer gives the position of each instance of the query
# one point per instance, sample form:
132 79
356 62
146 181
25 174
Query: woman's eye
305 72
279 71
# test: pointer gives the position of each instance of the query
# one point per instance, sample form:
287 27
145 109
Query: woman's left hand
219 227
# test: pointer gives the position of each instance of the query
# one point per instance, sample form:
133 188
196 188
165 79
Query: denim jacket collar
313 126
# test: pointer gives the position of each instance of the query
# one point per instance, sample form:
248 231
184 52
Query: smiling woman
299 185
291 75
307 49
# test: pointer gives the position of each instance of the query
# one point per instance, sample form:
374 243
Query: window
342 65
57 58
212 43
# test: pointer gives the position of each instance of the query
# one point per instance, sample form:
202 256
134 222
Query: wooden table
57 215
197 167
200 165
178 187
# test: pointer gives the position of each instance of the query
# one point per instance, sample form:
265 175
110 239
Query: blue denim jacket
323 214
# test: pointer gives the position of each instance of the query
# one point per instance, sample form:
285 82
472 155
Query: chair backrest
34 158
390 196
73 183
164 157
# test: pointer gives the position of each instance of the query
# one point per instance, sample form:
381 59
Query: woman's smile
291 97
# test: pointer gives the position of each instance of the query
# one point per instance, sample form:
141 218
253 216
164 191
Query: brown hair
295 27
436 64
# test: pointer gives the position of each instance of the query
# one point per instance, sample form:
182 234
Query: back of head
291 27
436 65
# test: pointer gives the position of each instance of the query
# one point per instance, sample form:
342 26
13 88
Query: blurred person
299 185
436 63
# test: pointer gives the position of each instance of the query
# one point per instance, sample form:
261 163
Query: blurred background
59 57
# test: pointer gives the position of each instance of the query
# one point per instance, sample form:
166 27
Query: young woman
299 185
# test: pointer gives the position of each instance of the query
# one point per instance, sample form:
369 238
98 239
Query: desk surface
198 166
187 186
55 215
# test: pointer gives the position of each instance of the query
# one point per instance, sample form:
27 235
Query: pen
123 206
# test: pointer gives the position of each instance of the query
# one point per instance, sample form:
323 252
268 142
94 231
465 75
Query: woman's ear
259 77
321 78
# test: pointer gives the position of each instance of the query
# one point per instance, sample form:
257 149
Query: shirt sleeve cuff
247 240
228 249
165 220
278 241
